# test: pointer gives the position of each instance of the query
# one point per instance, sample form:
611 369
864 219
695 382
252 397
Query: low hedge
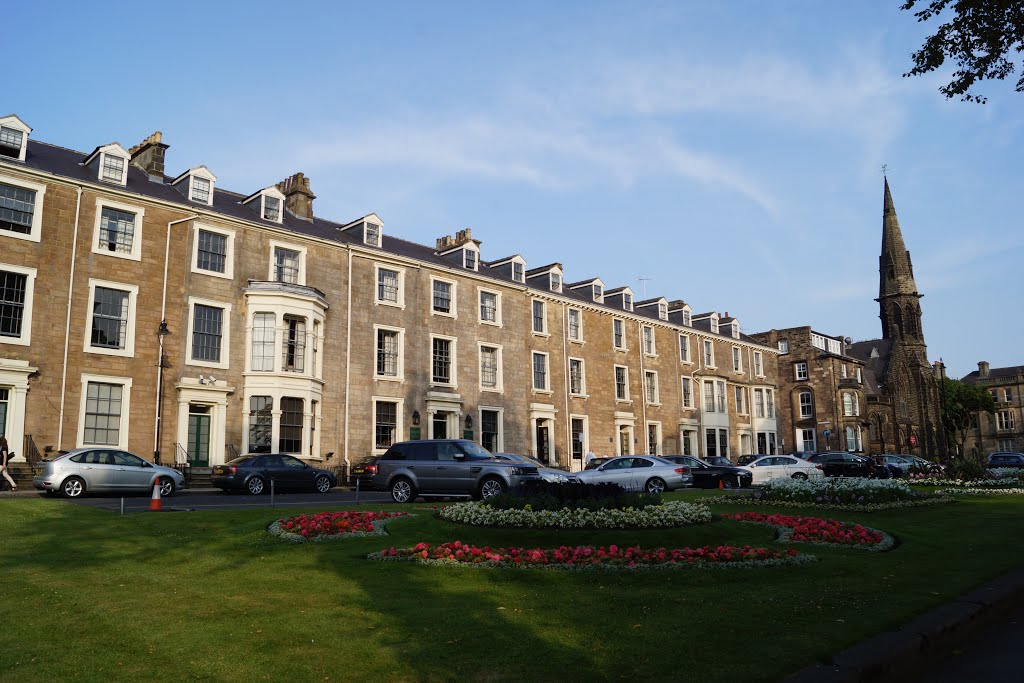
544 495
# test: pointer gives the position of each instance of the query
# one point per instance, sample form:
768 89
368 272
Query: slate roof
994 374
874 367
67 163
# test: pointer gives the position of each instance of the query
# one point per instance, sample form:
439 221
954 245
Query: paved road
993 656
207 499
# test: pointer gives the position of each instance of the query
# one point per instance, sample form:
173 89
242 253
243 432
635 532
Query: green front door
199 438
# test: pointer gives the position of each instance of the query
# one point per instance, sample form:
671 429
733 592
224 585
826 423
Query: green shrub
542 495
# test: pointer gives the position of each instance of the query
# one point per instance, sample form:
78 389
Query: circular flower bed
588 557
670 514
836 493
820 531
331 525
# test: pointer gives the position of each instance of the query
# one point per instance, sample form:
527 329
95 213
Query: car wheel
73 487
255 486
490 487
729 482
403 491
322 483
166 487
800 475
655 485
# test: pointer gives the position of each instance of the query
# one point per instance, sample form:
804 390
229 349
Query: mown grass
89 595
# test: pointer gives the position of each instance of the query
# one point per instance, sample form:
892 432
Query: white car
639 473
783 466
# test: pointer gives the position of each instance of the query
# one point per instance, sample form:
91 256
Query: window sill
388 378
624 400
493 390
577 341
543 391
453 316
124 353
655 405
16 341
622 349
134 255
541 334
212 273
492 323
207 364
392 304
650 355
583 396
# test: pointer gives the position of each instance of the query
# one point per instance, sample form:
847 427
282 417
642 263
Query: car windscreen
474 452
242 460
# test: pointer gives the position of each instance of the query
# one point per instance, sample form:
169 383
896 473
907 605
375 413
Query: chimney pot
298 197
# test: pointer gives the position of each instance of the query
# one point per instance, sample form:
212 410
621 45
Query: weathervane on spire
885 167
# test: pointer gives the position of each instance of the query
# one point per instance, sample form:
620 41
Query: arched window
851 439
847 405
856 404
897 318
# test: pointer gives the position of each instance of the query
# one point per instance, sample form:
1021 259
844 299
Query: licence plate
218 470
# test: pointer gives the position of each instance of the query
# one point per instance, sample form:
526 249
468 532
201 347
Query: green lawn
85 594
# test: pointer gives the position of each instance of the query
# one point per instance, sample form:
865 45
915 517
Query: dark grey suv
442 467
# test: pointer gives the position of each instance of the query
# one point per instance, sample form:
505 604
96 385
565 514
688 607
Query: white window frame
225 339
123 180
129 344
737 360
648 331
662 310
684 347
597 292
454 312
658 446
499 387
453 379
801 365
140 213
34 234
582 393
783 346
860 376
686 403
15 123
126 402
759 405
25 339
551 281
627 301
547 373
708 344
740 396
657 389
568 328
522 271
809 405
497 322
400 376
229 256
544 324
476 259
399 414
586 437
615 384
625 344
274 245
400 303
501 425
714 324
842 371
380 230
758 364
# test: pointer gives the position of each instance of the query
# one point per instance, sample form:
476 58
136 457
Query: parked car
110 470
1006 459
639 473
718 461
445 467
546 473
843 464
900 465
924 465
781 466
254 474
707 475
363 471
747 459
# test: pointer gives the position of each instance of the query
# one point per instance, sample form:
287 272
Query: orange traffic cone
155 504
721 484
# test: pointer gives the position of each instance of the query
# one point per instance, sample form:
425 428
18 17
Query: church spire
896 272
897 291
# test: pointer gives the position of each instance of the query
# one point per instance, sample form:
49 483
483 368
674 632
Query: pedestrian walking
589 458
5 455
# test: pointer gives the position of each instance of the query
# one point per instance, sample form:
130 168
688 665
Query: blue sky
730 152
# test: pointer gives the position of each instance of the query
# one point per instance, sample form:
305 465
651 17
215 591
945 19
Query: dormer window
556 282
598 293
469 259
112 168
627 301
663 311
371 234
686 318
735 330
196 184
13 137
272 209
202 190
714 324
518 272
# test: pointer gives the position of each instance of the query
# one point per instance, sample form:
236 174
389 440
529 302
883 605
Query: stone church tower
903 410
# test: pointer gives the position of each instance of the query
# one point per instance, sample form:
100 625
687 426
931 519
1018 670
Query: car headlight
519 470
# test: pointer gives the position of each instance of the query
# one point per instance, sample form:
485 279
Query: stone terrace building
1003 431
163 314
821 391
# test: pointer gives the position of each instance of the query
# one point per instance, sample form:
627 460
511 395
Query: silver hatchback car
103 470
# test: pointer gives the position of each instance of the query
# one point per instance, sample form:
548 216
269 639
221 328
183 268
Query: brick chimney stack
149 156
983 368
298 197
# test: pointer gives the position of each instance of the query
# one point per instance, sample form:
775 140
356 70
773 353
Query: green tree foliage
959 403
979 37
